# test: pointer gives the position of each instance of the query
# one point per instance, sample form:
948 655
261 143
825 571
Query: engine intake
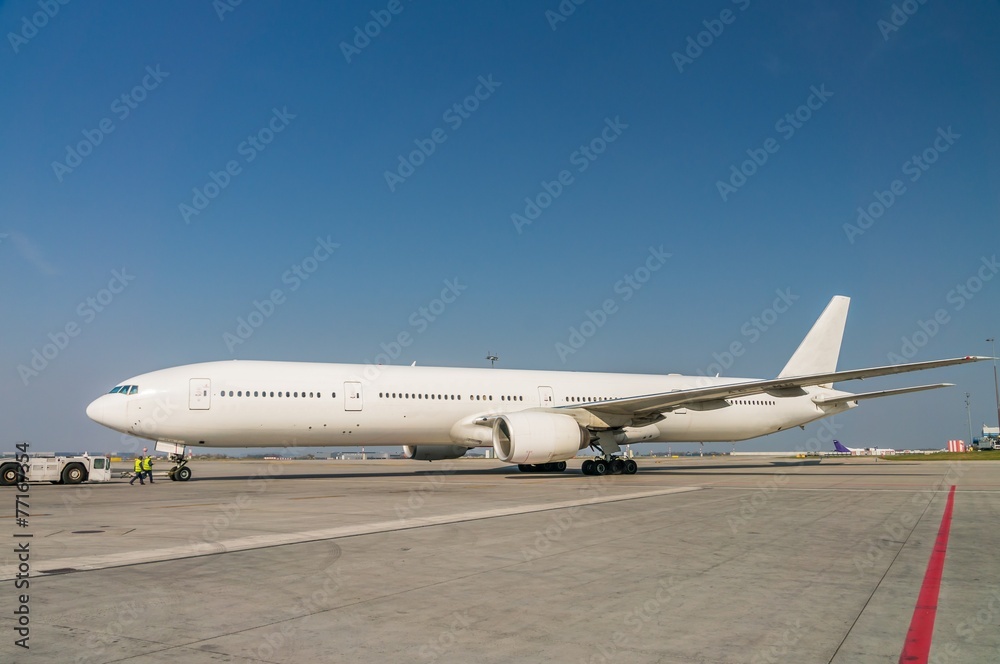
537 437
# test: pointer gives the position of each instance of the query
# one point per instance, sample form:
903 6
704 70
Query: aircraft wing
650 404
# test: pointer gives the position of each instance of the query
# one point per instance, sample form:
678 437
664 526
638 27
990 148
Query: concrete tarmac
714 560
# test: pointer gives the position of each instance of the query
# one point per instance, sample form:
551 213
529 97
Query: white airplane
536 419
860 451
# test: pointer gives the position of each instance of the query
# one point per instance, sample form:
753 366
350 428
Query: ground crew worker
137 467
147 466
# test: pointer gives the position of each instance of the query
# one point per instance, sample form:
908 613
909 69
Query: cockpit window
116 390
134 389
125 389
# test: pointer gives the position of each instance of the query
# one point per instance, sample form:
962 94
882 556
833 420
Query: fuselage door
545 397
352 396
200 394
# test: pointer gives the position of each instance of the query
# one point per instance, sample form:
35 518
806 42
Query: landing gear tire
631 467
182 474
560 466
616 467
170 475
588 467
599 467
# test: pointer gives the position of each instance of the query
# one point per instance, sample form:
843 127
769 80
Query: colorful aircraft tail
819 351
840 448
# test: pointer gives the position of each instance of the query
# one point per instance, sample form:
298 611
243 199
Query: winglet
840 448
819 351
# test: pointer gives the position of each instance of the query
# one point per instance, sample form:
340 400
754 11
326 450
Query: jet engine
534 438
433 452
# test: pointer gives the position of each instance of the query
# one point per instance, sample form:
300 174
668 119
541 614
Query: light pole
968 411
996 385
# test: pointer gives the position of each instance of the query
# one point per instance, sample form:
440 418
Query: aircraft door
545 397
352 396
200 394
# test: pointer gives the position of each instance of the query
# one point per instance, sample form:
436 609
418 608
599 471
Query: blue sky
116 117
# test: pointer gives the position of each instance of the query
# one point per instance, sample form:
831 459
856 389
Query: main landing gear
554 467
609 463
610 466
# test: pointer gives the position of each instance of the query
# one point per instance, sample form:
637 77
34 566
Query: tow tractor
176 454
56 469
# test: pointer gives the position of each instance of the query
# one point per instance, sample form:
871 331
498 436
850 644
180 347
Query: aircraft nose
109 410
95 410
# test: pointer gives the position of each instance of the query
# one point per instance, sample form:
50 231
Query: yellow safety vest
138 465
147 463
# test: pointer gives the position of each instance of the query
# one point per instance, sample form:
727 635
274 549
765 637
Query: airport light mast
996 385
968 411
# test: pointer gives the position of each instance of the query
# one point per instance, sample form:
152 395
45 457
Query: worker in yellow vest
147 467
137 466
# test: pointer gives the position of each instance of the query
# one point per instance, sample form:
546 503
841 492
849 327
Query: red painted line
918 639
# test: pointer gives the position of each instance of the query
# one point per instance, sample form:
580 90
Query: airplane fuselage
273 404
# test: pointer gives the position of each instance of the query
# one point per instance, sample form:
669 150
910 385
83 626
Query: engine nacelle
528 437
434 452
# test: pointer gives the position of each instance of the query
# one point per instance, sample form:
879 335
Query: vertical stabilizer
837 445
819 351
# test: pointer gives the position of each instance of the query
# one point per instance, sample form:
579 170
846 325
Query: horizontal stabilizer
831 401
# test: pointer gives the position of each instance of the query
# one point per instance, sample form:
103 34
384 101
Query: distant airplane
873 451
536 419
